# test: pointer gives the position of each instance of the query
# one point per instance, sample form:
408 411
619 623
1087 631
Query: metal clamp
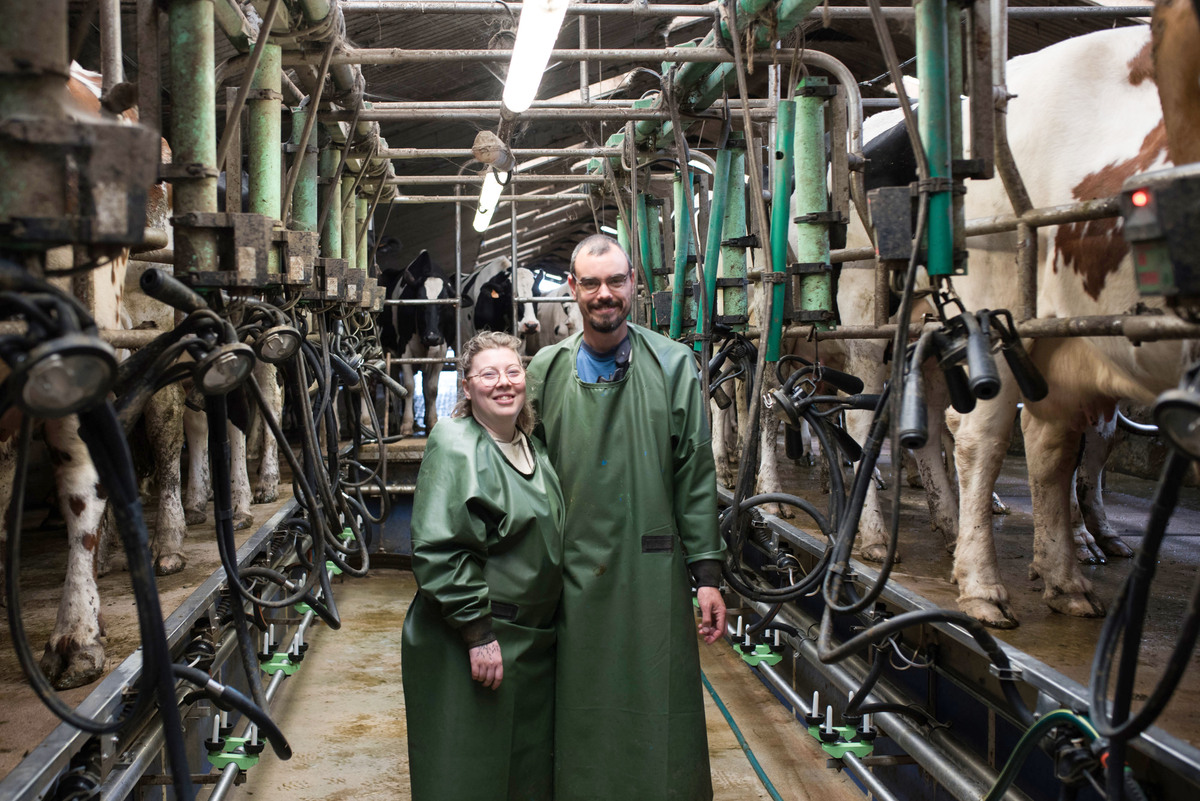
1007 674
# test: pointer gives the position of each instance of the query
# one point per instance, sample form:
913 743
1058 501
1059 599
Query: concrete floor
344 716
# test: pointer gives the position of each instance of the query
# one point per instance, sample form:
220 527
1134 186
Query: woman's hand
487 667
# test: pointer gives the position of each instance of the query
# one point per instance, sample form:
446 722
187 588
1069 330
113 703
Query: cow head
527 321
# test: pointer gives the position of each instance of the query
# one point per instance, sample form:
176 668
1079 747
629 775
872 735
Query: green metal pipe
331 237
712 244
643 245
733 257
263 140
304 194
781 218
654 229
623 234
193 126
683 248
812 238
362 211
349 220
955 93
933 53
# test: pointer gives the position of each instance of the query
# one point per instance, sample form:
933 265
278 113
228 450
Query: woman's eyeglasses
591 285
490 376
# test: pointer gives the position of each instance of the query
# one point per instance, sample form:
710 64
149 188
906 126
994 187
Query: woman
478 645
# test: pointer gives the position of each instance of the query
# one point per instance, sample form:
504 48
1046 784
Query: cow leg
1051 451
266 488
164 424
1097 446
768 451
941 492
239 478
724 459
74 655
980 444
407 380
199 480
431 376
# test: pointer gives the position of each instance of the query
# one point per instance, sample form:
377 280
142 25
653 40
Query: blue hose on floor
762 776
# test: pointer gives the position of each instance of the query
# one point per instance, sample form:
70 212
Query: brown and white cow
74 654
1102 97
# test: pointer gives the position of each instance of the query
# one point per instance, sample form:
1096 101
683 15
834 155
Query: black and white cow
487 301
417 331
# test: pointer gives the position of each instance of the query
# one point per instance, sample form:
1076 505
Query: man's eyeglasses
590 285
490 376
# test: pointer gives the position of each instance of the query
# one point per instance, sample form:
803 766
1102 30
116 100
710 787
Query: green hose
762 776
1029 741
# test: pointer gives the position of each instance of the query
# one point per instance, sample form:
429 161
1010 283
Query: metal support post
349 220
733 256
781 218
933 54
815 287
712 244
304 195
331 237
263 140
194 129
683 249
362 212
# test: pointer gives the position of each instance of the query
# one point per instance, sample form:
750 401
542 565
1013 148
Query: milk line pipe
575 114
420 199
962 774
710 9
518 152
475 105
516 178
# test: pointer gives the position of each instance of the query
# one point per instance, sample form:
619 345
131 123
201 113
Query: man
622 415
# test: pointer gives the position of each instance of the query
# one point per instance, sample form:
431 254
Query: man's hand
712 613
487 666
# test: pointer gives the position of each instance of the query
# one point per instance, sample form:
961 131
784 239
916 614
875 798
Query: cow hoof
1087 555
266 494
999 507
406 430
989 613
194 517
68 665
242 520
877 553
1115 547
168 564
1076 604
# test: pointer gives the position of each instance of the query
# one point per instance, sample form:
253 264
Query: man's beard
604 326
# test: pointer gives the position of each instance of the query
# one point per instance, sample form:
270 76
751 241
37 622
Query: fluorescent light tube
537 32
489 197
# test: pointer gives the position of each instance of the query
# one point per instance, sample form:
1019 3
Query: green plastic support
847 742
333 569
232 756
282 662
760 654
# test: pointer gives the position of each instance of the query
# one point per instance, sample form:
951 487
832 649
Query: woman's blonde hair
489 340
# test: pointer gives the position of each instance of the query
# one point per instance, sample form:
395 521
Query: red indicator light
1140 198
